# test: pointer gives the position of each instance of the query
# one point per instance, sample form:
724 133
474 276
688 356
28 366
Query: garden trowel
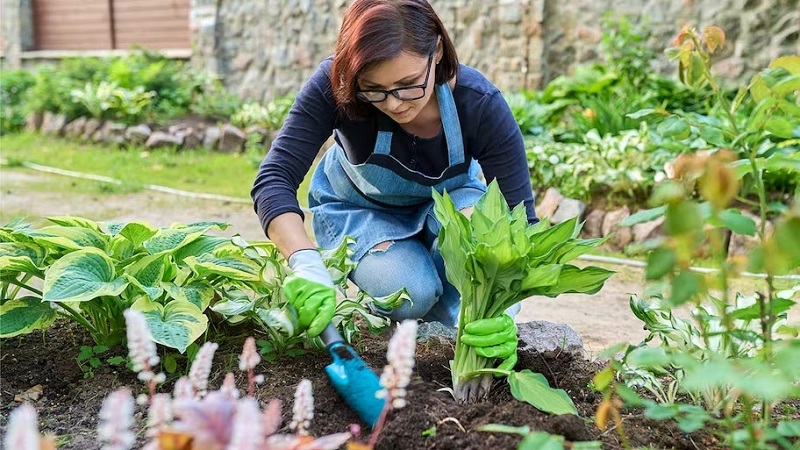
352 378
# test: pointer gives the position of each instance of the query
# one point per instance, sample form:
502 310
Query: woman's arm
308 125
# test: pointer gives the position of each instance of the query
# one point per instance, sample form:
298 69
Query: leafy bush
270 116
51 92
13 85
154 72
109 101
210 98
620 168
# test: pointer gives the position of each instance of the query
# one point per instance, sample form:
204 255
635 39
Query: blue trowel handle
352 378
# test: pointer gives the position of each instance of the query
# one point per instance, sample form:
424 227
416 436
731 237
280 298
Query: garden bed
69 403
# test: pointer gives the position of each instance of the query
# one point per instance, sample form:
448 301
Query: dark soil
432 420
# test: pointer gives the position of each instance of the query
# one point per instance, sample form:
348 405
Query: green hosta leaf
147 273
588 280
545 241
81 276
347 309
391 301
575 248
283 320
541 277
197 292
221 226
137 232
170 239
541 440
69 238
21 257
233 306
508 429
493 205
779 161
23 315
201 246
738 223
231 267
338 262
72 221
645 215
176 324
789 428
533 388
674 127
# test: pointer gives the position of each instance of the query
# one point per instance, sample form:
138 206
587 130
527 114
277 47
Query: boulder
138 134
74 129
53 123
549 204
231 139
33 121
550 338
593 225
90 129
647 230
211 138
161 139
113 133
427 330
622 236
567 209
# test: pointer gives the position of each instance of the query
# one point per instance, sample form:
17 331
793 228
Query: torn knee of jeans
381 248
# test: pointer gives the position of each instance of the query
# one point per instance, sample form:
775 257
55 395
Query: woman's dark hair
374 31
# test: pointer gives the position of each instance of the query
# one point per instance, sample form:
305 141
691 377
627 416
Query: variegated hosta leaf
346 309
81 276
284 320
120 249
137 232
21 257
69 238
390 301
338 261
23 315
203 245
176 324
273 272
231 267
197 292
221 226
147 273
233 306
73 221
170 239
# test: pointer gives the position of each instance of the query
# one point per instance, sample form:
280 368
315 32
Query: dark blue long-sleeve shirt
490 134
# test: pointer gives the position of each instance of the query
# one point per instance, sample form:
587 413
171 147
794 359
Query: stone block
621 236
549 204
593 225
550 339
567 209
138 134
161 139
232 139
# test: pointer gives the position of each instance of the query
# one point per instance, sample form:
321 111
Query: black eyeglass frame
394 92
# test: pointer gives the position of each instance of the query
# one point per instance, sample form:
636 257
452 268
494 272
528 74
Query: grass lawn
201 171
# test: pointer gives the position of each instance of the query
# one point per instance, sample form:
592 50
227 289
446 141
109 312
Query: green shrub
621 168
270 116
13 85
108 101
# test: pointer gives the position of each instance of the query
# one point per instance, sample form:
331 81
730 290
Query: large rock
53 123
550 338
33 121
567 209
211 138
647 230
74 129
138 134
427 330
622 236
161 139
593 225
90 130
113 133
231 139
549 204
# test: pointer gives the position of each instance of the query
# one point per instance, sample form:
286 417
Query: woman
406 118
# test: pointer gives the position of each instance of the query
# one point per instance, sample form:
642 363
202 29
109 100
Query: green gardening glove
310 290
493 338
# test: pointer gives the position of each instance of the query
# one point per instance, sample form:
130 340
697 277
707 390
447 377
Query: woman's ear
439 50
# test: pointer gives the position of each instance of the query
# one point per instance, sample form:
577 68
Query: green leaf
533 388
500 428
645 215
137 232
660 262
541 440
283 320
197 292
23 315
641 113
787 241
73 221
546 240
781 127
233 306
674 127
789 428
116 360
684 287
200 246
588 280
147 272
176 324
603 379
738 223
231 267
171 239
170 363
541 277
69 238
22 257
753 311
780 162
712 135
82 276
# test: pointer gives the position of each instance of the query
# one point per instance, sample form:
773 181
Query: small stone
160 139
211 138
427 330
567 209
113 133
549 204
193 138
138 134
593 225
549 338
232 139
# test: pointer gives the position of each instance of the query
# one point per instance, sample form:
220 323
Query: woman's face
405 70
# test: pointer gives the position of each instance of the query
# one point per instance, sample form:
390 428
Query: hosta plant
496 259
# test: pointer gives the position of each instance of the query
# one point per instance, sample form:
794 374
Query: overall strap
383 142
452 127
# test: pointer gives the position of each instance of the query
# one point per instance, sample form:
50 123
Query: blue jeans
416 265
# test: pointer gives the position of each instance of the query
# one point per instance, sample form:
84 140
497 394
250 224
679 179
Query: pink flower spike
183 389
201 367
400 355
303 408
116 421
159 415
229 387
141 348
272 417
247 433
23 429
249 358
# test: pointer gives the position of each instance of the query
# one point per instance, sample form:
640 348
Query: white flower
159 415
116 421
400 355
201 367
141 348
23 429
184 390
303 408
659 177
249 358
247 429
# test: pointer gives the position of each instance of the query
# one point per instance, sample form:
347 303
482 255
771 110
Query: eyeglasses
404 93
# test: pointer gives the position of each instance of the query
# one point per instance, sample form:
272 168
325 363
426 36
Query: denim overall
381 200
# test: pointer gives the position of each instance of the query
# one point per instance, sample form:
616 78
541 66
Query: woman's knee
406 264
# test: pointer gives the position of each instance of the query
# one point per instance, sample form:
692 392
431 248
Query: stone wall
269 47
